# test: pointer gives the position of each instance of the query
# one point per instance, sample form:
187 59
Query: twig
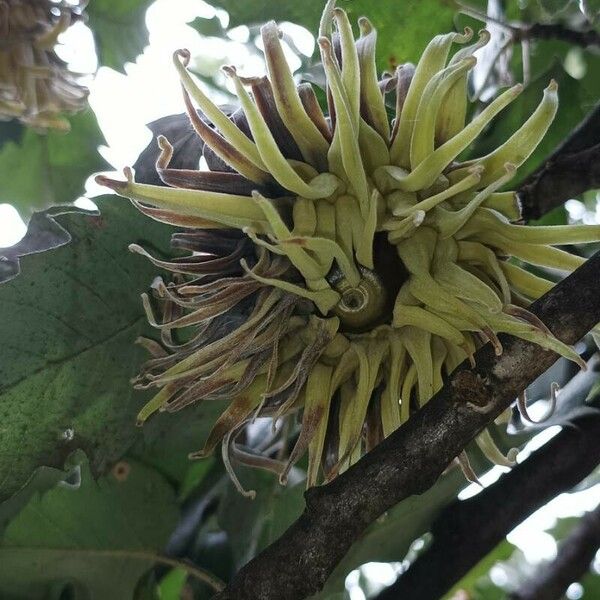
541 31
574 557
555 31
410 460
556 467
573 168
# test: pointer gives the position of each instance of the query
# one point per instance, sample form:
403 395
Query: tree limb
573 168
411 459
574 557
556 467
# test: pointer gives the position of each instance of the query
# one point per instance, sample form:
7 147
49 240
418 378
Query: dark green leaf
254 524
170 437
554 7
119 30
69 323
44 169
404 29
305 13
98 538
207 27
41 480
43 233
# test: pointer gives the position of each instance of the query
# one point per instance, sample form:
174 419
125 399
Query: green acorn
36 86
342 265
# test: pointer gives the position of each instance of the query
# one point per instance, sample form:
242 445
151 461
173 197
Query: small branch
556 31
410 460
574 557
573 168
520 32
555 468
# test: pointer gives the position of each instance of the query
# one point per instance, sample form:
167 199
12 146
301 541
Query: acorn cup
341 265
36 86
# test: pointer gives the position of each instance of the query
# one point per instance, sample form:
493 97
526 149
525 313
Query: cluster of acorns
340 266
36 86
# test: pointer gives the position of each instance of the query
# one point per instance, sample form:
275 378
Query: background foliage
87 501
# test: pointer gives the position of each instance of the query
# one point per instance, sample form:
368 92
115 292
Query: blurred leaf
171 586
69 323
591 585
469 582
168 439
590 83
98 538
194 474
563 527
119 30
554 7
557 216
305 13
591 10
403 29
254 524
50 168
207 27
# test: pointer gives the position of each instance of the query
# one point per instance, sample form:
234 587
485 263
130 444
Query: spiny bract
36 86
342 266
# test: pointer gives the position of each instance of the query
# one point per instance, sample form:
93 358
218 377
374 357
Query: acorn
341 265
36 86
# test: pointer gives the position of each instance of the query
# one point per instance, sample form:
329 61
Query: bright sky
124 103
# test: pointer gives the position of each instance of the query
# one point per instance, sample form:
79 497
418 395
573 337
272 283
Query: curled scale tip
270 26
113 184
512 454
136 249
465 36
184 55
365 26
128 172
324 42
229 70
197 455
476 170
